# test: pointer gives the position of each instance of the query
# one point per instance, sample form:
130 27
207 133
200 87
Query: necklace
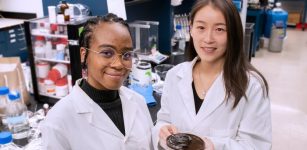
204 92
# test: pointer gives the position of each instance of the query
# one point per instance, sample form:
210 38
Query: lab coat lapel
185 87
129 109
102 121
92 112
214 98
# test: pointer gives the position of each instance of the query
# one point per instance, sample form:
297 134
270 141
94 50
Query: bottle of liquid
4 91
17 119
64 9
6 141
178 41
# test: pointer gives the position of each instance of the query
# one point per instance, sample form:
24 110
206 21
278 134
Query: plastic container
178 41
4 91
277 39
6 141
277 16
50 87
61 87
60 51
42 69
58 71
48 50
17 119
41 86
39 46
52 14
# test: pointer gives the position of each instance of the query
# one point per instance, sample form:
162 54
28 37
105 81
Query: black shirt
198 101
109 101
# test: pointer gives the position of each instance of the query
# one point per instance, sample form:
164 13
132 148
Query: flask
6 141
178 41
64 9
17 119
4 91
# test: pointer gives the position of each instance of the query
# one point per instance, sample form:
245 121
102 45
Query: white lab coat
76 122
246 127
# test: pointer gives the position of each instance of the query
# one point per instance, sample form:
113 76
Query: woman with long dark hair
218 95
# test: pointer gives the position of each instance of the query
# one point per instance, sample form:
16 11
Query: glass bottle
64 9
178 41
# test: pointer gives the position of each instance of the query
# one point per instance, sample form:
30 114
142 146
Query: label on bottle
16 119
181 44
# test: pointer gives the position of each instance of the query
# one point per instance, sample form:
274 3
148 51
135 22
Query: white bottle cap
46 106
278 4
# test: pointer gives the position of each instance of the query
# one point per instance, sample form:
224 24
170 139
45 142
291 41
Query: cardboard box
294 18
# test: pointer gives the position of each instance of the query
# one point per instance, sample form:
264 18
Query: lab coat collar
214 98
130 108
185 81
97 117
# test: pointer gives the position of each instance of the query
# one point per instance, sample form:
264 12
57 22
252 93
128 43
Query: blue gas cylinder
277 17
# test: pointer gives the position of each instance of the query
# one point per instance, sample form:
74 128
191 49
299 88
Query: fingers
166 131
172 129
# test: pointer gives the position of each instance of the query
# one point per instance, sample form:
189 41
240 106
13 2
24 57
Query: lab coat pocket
223 133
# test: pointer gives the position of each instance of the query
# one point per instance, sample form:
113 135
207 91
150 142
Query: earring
84 73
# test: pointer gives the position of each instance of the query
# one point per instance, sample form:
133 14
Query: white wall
23 6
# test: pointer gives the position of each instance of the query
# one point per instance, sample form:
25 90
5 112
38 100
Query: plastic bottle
49 87
39 46
17 119
178 41
64 9
6 141
4 91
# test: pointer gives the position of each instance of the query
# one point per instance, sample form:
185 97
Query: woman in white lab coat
100 113
218 95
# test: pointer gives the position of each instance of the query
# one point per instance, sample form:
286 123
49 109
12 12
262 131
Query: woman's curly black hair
89 28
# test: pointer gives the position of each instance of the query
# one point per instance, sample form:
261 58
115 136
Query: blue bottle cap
14 96
178 26
5 137
4 90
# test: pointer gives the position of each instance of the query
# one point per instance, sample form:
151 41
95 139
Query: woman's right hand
166 131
